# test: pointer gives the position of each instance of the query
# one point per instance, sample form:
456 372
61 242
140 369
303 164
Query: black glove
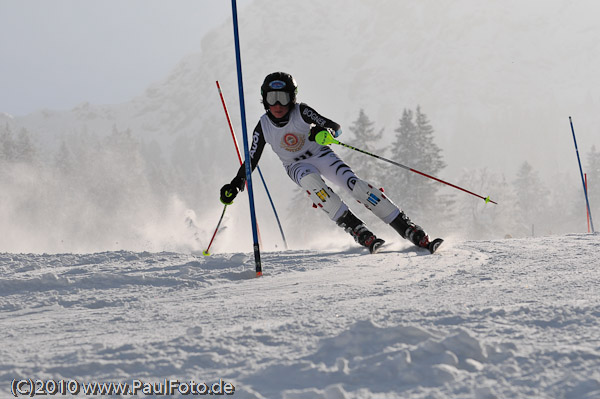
228 193
231 190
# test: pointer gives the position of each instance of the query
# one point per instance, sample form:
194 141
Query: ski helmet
279 82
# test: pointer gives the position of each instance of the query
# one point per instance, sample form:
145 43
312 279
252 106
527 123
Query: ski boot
361 234
415 234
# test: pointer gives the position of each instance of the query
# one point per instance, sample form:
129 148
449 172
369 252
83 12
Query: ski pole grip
324 137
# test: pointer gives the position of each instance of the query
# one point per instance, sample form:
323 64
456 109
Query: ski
433 246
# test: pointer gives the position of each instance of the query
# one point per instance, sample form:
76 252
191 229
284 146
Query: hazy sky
57 54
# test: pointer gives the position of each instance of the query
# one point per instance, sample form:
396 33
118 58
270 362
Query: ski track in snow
515 318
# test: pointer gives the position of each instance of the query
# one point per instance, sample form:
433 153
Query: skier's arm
256 148
230 190
309 115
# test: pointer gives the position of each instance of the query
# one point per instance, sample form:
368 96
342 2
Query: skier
290 128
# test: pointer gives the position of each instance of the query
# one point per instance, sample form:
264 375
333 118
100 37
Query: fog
141 170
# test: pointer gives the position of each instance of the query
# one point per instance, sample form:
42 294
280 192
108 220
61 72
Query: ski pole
205 252
259 171
324 137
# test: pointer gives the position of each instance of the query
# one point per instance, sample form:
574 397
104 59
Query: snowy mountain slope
480 319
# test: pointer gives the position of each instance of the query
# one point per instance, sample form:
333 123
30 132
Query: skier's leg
376 201
332 168
412 232
385 209
324 197
357 229
336 171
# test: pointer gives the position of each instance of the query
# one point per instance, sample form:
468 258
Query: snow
515 318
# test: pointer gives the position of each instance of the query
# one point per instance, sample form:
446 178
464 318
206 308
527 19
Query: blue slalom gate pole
238 60
582 178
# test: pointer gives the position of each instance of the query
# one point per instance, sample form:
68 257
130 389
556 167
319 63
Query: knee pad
375 200
322 196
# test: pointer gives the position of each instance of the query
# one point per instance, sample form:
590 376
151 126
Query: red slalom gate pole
237 150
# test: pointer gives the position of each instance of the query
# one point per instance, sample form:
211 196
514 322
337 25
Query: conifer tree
415 147
532 200
366 139
402 150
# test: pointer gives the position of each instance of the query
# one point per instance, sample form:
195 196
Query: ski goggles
281 97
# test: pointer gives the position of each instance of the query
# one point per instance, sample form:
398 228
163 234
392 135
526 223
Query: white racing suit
307 163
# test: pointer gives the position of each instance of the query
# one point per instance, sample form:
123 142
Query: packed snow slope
516 318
